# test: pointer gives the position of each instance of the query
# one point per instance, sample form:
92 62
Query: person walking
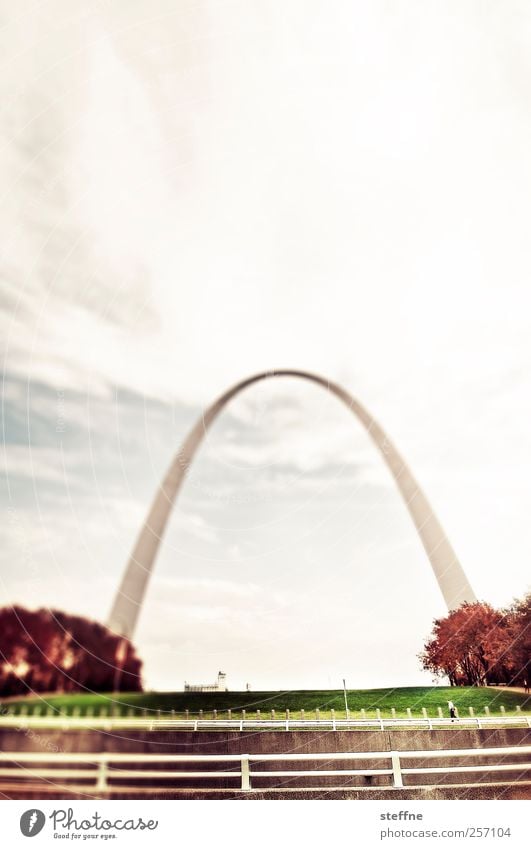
451 708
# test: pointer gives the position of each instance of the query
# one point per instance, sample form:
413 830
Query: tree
469 646
53 651
519 641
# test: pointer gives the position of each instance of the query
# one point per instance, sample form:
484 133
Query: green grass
400 699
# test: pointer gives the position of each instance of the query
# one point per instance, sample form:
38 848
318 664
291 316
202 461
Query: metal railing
101 770
108 722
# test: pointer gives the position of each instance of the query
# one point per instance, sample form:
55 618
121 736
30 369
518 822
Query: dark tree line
51 651
477 645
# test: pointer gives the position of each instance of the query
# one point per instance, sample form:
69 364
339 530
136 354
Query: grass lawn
399 699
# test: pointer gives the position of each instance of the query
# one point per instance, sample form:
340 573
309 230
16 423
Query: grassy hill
399 699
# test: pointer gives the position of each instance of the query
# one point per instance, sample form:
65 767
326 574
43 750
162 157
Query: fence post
424 713
397 772
108 719
244 714
478 720
487 711
440 712
287 719
101 783
317 714
246 778
273 715
393 713
215 713
471 710
187 713
333 720
302 714
408 711
379 718
502 709
229 712
195 725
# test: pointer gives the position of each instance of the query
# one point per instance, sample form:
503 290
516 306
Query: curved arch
448 571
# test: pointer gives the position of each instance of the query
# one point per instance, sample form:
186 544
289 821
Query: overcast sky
194 191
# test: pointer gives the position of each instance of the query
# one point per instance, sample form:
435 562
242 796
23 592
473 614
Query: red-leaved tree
51 651
477 644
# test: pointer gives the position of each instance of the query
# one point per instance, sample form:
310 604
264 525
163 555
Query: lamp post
345 695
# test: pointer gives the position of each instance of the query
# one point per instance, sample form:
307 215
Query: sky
195 191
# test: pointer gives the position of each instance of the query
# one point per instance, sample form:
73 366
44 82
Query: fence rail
107 723
101 770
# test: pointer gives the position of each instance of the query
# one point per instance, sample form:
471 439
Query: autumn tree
518 647
53 651
469 646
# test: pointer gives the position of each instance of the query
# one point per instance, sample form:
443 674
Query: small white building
219 687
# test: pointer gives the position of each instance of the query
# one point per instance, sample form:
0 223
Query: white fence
101 768
108 723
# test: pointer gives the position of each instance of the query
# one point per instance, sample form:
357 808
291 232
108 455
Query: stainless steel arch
448 571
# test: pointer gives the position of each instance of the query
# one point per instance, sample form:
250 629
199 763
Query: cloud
216 191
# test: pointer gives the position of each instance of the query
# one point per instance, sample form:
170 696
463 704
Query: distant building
219 687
